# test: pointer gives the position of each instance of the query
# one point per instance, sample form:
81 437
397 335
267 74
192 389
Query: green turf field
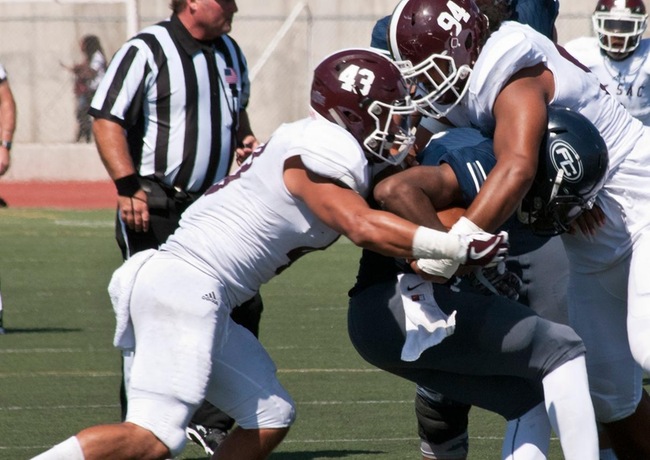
59 372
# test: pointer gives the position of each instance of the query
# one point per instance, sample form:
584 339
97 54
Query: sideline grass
59 372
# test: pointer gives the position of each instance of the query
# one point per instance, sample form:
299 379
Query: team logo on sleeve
565 158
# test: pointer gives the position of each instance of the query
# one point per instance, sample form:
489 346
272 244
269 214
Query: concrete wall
36 37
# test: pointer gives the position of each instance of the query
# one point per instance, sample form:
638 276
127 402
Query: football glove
497 280
485 249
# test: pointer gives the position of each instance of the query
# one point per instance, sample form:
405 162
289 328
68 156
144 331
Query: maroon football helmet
441 40
619 25
363 91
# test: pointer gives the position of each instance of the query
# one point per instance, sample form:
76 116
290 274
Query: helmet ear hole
469 41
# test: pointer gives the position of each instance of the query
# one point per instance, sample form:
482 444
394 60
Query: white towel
120 289
426 324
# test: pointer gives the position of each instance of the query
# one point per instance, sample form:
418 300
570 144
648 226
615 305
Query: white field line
85 223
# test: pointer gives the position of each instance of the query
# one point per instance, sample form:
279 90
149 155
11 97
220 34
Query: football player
503 84
491 332
442 423
618 55
302 190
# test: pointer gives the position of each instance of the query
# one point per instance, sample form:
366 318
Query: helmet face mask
437 44
555 216
619 25
440 86
571 170
393 135
363 91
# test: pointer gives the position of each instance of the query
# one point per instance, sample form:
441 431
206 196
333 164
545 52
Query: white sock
570 411
528 436
608 454
70 449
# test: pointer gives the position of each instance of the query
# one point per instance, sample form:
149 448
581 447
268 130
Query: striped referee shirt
178 100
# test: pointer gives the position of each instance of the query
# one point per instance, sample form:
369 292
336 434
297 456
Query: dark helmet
441 40
619 25
363 91
572 168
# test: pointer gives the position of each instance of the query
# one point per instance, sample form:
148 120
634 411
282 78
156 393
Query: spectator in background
87 75
168 132
618 55
7 127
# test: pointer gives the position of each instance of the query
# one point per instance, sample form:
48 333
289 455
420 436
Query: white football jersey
516 46
627 80
248 228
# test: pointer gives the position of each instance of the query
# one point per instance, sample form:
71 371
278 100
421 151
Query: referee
169 120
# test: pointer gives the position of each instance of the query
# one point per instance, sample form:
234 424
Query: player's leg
598 312
195 351
497 344
244 386
638 321
629 434
527 436
123 440
210 425
442 426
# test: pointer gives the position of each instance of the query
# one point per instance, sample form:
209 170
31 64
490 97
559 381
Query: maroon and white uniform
245 230
608 299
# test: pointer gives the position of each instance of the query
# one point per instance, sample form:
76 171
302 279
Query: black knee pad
439 418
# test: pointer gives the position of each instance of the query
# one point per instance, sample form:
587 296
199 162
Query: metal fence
283 40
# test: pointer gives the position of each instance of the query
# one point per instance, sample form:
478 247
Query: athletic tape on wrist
464 226
433 244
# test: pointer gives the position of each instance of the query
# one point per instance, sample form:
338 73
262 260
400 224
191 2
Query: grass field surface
59 372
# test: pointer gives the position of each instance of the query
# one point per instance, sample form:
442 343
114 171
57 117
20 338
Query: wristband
433 244
127 185
6 144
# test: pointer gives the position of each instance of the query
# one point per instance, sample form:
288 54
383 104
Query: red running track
59 195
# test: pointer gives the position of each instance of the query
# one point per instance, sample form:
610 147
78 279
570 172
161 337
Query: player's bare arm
418 193
349 214
113 150
521 116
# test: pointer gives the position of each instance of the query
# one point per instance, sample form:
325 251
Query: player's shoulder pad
585 50
511 48
330 151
